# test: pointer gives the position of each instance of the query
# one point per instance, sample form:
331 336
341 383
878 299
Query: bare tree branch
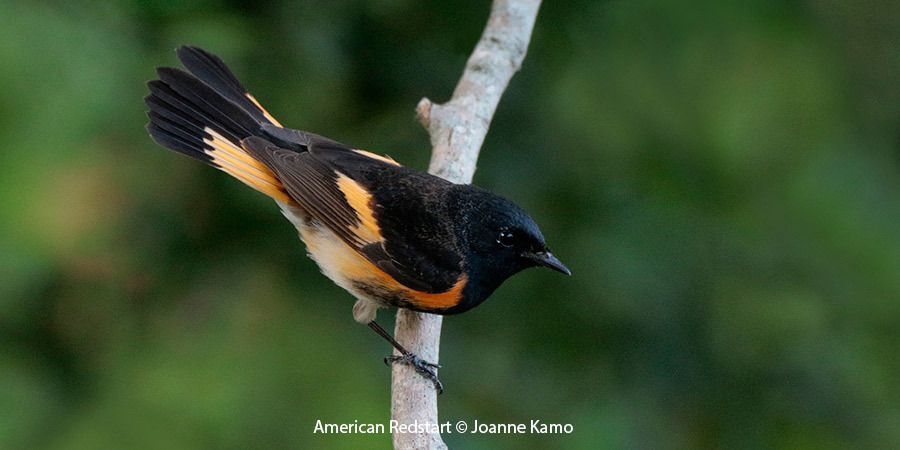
457 130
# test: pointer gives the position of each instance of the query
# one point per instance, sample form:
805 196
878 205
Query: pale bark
457 130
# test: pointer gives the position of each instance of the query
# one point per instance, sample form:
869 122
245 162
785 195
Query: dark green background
722 177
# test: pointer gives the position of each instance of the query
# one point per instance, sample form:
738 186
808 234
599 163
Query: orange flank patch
360 200
347 268
265 113
383 158
441 300
237 163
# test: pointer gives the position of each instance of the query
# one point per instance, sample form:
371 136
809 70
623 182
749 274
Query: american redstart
389 235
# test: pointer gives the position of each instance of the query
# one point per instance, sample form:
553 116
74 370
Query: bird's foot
422 367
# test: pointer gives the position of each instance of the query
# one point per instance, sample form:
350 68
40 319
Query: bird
390 235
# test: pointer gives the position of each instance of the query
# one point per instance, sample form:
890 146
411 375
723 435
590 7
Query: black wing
393 216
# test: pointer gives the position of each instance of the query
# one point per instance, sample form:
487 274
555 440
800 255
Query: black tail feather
182 108
213 71
161 105
173 141
207 101
191 117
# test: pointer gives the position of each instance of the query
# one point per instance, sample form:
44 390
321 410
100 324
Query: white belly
337 261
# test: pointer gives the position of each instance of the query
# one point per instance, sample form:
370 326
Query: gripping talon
422 367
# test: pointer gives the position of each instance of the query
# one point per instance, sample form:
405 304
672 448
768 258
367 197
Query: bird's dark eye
506 238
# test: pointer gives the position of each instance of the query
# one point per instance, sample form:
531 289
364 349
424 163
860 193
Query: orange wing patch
360 200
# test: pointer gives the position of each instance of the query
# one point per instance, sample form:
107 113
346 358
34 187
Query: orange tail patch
233 160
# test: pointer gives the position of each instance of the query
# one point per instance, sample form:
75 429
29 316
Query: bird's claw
422 367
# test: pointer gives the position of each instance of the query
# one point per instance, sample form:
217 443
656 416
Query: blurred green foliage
722 176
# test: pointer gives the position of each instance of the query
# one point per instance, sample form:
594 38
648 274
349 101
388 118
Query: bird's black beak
547 259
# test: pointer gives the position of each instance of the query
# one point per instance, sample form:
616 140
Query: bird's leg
424 368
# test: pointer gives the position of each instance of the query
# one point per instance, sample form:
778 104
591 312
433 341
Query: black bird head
502 240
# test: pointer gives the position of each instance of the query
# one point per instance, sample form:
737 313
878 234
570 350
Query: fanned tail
211 70
205 114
